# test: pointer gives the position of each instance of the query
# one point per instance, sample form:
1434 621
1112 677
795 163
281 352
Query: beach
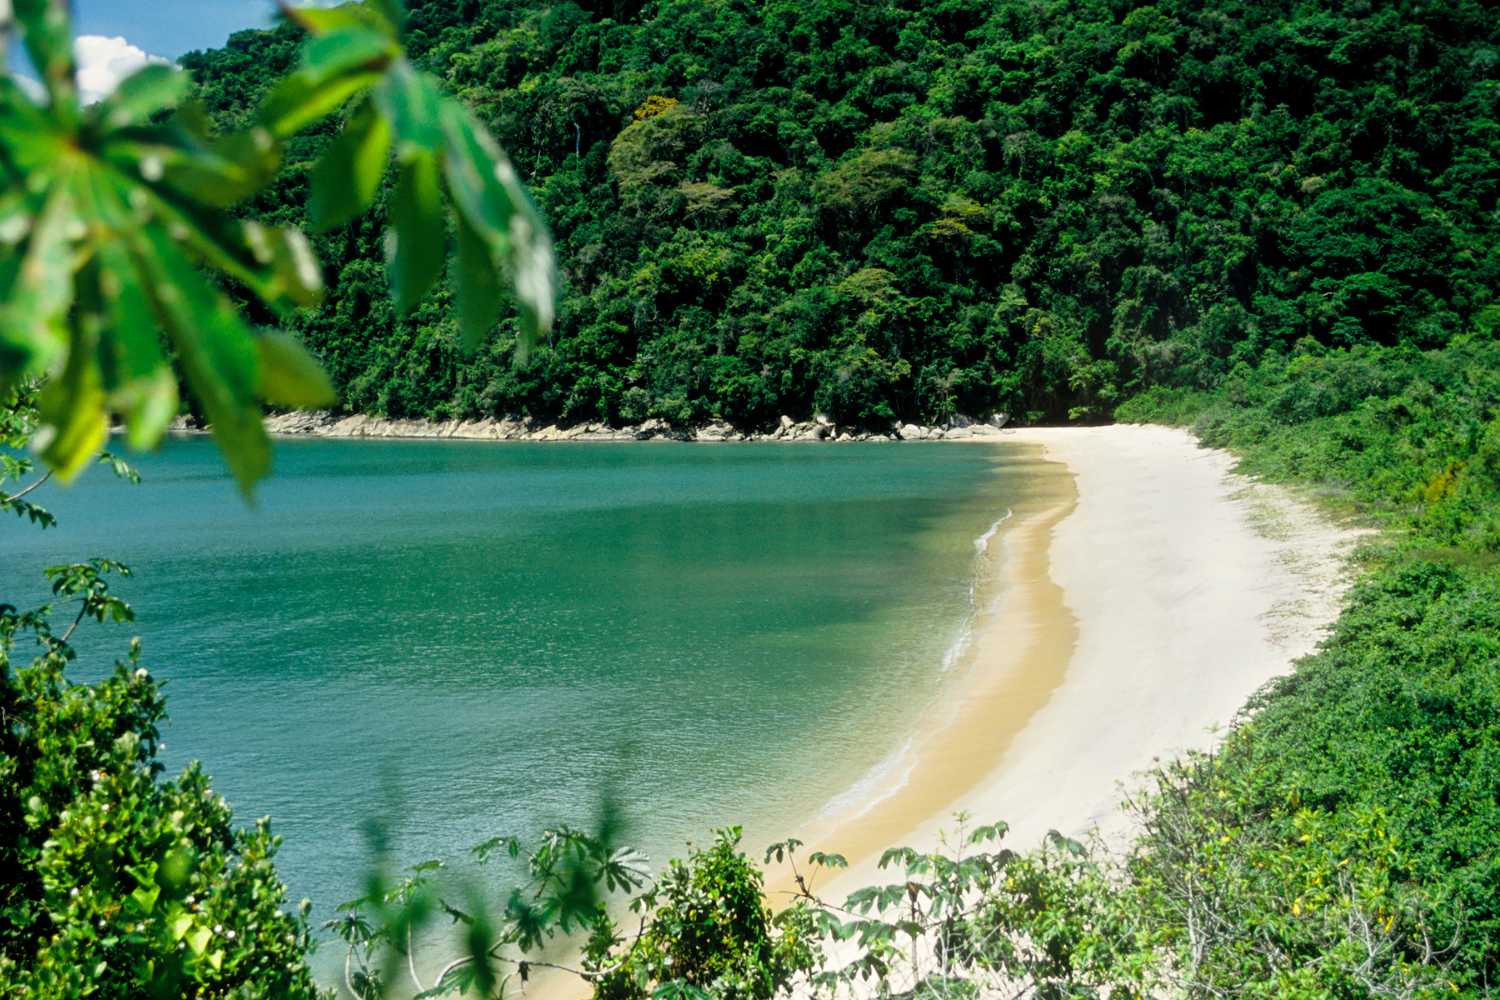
1139 603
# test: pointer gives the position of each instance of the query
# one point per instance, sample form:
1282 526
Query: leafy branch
108 212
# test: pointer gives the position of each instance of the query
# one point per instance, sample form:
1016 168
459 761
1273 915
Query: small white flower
218 928
73 892
97 776
141 674
229 935
104 807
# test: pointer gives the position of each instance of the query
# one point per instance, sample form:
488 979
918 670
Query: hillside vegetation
912 209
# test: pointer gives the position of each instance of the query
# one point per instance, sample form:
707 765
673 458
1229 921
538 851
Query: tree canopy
910 209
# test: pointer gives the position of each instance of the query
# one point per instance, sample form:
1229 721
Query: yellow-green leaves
289 376
346 179
415 243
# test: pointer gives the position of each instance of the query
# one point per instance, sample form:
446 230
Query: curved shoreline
1183 588
995 687
1153 590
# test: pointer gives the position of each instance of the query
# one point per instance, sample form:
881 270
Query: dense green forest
911 209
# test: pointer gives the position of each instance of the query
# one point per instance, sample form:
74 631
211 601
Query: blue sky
115 38
170 27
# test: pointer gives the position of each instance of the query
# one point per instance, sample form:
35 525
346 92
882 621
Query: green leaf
48 34
305 97
71 406
274 261
393 12
347 176
335 66
34 139
32 334
220 172
179 925
347 49
141 95
216 352
140 384
489 195
412 103
325 20
198 938
145 897
415 243
289 375
479 290
294 274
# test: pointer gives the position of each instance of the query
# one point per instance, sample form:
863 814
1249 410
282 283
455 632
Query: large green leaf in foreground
110 211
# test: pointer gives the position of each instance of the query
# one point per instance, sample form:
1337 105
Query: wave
884 776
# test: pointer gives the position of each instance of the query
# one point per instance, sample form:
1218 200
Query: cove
475 639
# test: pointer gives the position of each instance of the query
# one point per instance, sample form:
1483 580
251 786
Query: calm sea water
478 639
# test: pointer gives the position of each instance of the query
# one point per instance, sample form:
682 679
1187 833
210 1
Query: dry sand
1142 592
1129 624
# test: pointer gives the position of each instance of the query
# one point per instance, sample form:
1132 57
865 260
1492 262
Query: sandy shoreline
1131 623
1141 593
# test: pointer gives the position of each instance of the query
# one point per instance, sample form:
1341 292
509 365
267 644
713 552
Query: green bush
120 882
707 933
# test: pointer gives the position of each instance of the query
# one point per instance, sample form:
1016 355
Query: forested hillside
910 210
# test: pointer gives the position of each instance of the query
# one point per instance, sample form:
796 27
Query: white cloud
103 61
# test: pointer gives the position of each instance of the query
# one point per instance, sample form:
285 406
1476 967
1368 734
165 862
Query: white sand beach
1185 588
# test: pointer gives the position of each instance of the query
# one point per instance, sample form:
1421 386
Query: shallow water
479 638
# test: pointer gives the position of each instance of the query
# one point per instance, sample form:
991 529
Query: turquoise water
489 635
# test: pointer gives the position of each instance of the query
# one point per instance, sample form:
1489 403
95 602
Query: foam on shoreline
1137 606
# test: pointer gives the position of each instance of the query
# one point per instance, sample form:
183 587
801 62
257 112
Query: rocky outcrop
322 423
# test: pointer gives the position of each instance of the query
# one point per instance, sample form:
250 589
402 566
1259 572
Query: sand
1141 592
1128 624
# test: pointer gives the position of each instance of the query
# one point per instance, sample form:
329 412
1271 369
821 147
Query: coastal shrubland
1352 816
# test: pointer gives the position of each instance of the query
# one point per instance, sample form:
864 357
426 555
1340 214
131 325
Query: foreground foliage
107 211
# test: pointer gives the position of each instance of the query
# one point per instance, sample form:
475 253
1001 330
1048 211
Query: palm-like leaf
108 212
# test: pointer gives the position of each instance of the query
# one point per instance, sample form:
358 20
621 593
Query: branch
17 496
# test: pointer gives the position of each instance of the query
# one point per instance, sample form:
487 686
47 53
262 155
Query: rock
786 423
716 431
998 420
844 437
910 432
822 419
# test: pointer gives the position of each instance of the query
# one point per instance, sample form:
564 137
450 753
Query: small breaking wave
891 773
